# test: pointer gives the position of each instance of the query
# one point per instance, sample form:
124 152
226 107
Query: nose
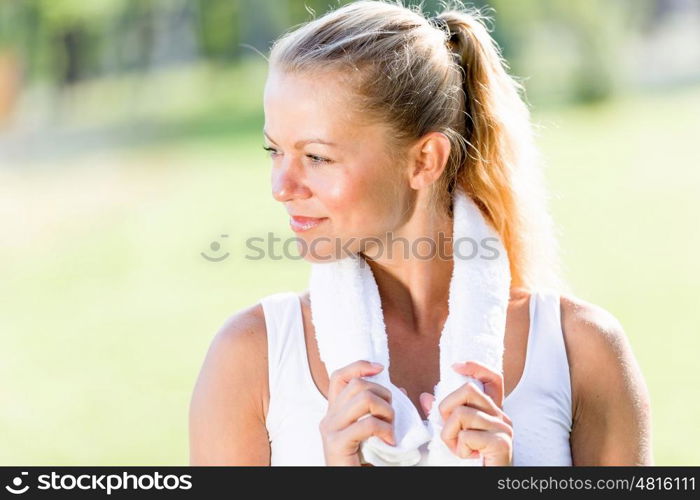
287 181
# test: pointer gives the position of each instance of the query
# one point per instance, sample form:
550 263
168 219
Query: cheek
364 207
360 205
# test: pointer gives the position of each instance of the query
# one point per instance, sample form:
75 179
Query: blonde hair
410 72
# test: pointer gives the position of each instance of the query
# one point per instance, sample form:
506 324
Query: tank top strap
291 387
281 319
549 355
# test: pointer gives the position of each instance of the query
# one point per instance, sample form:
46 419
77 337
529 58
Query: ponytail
499 168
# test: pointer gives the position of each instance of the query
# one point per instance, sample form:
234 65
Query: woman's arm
227 408
611 407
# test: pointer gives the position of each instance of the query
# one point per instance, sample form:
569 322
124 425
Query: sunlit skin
356 185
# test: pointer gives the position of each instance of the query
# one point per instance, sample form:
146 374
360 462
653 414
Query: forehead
321 84
321 88
311 103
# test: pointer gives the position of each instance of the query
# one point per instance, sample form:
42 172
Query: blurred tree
602 29
261 22
130 37
70 33
218 30
573 48
174 24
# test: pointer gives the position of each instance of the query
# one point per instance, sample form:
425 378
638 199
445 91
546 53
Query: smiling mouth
299 224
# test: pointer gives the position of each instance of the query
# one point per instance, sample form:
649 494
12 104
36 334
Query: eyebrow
301 143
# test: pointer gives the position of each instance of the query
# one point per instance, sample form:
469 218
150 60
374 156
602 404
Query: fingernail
377 365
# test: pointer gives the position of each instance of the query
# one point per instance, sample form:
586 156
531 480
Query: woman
373 114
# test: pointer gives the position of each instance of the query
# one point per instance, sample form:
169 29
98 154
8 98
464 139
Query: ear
427 159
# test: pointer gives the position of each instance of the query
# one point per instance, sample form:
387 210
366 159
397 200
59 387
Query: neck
413 276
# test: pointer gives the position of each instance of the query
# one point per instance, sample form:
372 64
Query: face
333 173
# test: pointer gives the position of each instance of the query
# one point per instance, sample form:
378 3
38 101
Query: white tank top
539 405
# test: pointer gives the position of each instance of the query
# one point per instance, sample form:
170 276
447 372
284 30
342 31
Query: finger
482 442
358 385
471 440
366 427
342 376
470 395
426 401
403 390
464 418
362 404
493 382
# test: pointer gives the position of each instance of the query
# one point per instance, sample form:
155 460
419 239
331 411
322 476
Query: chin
322 249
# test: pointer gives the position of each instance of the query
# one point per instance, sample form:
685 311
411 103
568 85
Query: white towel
347 315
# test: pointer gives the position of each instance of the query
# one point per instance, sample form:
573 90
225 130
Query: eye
318 159
270 150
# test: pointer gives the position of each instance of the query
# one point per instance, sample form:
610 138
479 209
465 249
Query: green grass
627 178
108 308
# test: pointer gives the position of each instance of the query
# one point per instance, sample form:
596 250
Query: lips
300 223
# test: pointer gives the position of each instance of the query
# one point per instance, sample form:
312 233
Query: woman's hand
349 398
475 424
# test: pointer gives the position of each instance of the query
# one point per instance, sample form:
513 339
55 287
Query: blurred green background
130 142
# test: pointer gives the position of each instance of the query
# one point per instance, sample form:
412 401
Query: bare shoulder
580 313
239 349
244 335
611 403
592 335
229 401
